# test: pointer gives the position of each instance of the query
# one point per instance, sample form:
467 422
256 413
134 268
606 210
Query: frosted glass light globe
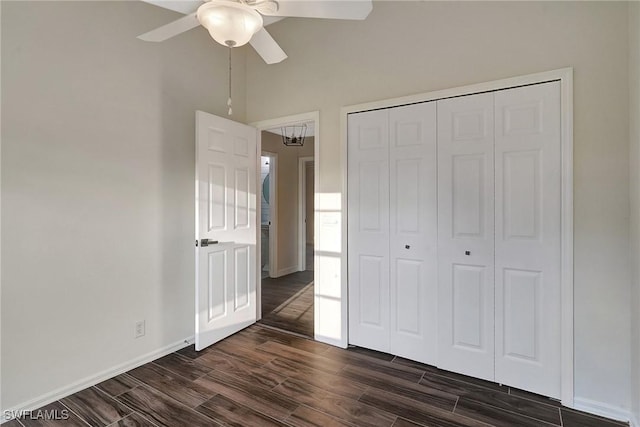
229 23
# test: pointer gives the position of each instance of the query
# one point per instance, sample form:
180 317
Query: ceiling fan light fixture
266 7
229 23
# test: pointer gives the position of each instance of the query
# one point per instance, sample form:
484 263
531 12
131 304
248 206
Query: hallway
287 301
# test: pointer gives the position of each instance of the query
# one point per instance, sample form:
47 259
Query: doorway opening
268 213
287 231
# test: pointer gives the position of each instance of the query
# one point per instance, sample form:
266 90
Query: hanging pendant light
229 23
293 136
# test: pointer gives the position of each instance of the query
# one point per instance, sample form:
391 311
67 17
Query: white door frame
565 76
273 206
302 211
263 125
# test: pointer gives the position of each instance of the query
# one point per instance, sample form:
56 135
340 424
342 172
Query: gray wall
98 186
411 47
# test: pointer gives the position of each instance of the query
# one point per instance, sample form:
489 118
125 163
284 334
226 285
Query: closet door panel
466 235
528 207
368 229
469 288
413 231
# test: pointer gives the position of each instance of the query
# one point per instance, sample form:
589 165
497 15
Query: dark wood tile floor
287 302
264 377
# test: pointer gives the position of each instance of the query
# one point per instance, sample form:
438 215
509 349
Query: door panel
241 198
468 193
407 281
528 207
217 197
465 235
372 208
413 231
407 188
522 313
371 287
226 212
217 270
522 195
469 289
368 229
242 277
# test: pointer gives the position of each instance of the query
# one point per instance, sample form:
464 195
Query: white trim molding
302 211
603 410
92 380
273 207
565 77
566 227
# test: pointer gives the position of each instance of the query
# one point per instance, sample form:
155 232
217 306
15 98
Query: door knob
407 247
206 242
467 252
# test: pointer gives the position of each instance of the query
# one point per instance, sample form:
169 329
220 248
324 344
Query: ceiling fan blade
183 6
330 9
267 47
268 20
172 29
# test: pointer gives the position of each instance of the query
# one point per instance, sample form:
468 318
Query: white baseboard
602 409
92 380
285 271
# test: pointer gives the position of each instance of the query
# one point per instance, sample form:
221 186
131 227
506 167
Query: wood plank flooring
287 302
264 377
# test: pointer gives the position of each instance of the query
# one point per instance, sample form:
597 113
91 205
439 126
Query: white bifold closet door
527 238
499 205
392 231
368 225
454 245
466 235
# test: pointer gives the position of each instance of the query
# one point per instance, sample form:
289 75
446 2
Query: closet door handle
407 247
467 252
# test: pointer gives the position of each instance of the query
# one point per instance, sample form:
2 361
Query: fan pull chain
229 100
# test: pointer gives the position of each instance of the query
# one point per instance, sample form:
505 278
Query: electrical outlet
140 329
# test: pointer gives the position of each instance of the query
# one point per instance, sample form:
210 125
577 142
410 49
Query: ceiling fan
233 23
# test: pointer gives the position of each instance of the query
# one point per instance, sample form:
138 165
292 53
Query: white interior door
226 213
368 229
466 235
528 207
413 232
